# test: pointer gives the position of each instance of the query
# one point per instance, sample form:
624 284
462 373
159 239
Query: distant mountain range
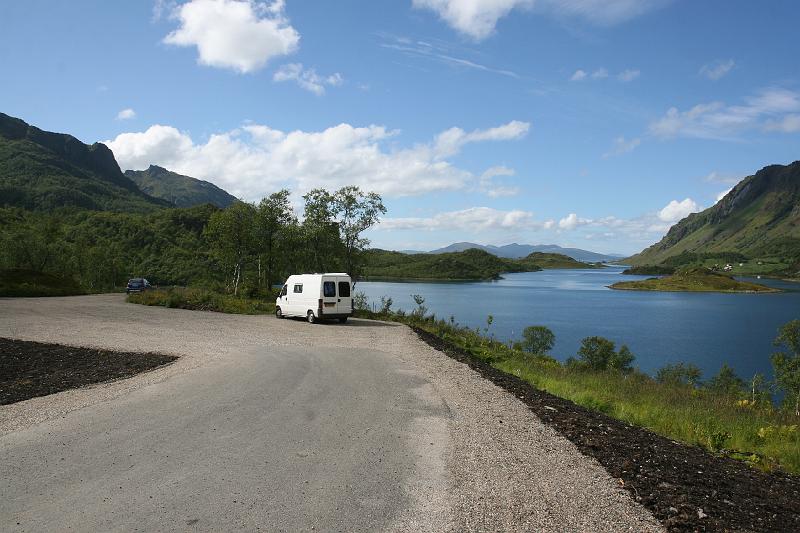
517 251
40 170
759 218
183 191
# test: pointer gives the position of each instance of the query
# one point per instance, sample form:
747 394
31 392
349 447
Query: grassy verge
203 300
22 283
763 436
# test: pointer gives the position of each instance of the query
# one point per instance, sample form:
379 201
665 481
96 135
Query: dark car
138 285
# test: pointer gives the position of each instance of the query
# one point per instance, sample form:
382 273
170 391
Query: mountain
183 191
758 219
41 170
517 251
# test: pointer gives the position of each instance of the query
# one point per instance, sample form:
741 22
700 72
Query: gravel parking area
489 465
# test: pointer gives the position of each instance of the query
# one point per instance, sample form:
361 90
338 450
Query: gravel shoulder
480 459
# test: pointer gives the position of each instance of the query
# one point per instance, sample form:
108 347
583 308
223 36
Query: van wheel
311 318
342 320
278 312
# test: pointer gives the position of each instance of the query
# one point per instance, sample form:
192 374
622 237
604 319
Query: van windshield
329 289
344 289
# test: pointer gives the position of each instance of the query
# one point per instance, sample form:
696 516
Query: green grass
203 300
693 280
766 437
20 283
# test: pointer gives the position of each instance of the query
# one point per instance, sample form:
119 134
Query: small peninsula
694 280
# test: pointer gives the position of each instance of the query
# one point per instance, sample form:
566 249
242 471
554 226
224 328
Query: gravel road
281 425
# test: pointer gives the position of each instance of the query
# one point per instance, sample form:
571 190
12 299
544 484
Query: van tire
278 312
311 318
342 320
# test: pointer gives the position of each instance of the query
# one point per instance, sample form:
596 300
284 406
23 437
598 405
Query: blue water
707 329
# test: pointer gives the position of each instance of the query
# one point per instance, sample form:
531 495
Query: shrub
598 353
726 382
679 374
536 340
786 363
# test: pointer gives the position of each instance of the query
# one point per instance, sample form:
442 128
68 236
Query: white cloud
724 193
717 70
622 146
628 75
493 190
472 219
600 74
449 142
788 124
572 221
478 18
442 52
307 79
242 35
579 75
126 114
675 210
716 120
718 177
253 160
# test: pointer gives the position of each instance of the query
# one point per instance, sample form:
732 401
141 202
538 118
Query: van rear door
329 296
344 302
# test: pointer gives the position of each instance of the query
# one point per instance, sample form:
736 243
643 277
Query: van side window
298 288
344 289
329 289
283 291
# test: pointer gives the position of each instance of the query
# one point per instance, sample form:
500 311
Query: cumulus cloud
472 219
717 70
622 146
675 210
449 142
770 109
488 185
126 114
579 75
307 79
628 75
242 35
478 18
253 160
572 221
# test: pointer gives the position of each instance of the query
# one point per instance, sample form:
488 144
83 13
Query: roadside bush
598 353
679 374
537 340
726 382
786 363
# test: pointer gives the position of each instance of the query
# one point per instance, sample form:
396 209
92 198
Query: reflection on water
707 329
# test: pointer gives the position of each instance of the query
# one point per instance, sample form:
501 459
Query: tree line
247 246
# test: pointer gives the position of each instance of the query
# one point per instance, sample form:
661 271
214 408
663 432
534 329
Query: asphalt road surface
282 426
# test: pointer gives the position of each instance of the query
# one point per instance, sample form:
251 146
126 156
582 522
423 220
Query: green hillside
693 280
472 264
756 224
42 171
183 191
553 261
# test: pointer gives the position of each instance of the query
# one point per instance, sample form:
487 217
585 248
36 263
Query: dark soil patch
30 369
685 487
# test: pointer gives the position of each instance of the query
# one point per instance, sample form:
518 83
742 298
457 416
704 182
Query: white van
316 297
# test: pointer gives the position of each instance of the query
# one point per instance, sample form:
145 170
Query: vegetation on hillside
183 191
553 261
724 414
693 280
757 224
43 171
472 264
650 270
21 282
206 300
245 246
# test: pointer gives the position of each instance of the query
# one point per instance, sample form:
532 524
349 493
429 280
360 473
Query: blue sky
583 123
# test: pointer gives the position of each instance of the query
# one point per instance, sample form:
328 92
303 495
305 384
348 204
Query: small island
694 280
